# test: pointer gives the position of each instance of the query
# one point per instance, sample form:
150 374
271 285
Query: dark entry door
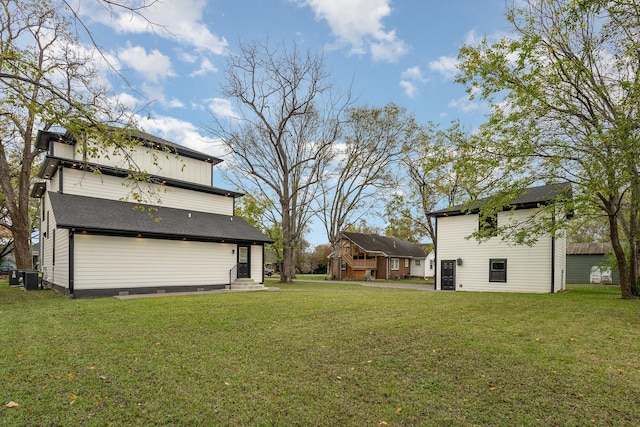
244 262
448 275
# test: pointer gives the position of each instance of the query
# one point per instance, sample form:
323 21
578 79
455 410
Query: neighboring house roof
529 198
113 217
387 246
588 248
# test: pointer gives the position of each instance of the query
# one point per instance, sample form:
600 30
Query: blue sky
401 51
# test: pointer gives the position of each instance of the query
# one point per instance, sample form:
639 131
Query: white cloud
153 66
409 88
206 67
183 133
466 105
222 108
445 65
181 21
413 73
358 24
411 78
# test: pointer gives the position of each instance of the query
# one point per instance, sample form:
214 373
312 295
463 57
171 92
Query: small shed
583 259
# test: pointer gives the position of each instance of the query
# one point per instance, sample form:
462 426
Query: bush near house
318 353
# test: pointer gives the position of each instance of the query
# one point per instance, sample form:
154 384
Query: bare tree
363 174
288 118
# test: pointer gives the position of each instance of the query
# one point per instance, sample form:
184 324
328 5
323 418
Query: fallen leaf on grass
398 410
383 423
12 405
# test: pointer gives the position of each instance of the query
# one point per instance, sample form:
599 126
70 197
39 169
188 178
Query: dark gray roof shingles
390 246
527 198
117 217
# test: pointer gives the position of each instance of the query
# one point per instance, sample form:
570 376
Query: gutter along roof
113 217
44 138
527 199
50 166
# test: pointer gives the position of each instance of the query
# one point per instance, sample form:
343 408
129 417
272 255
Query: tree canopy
565 92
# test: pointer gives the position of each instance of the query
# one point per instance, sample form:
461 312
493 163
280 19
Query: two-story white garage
98 238
464 264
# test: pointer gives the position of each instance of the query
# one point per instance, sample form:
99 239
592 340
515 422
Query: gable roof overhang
44 139
115 218
530 198
51 164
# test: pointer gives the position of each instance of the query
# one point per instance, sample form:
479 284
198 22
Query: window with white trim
395 263
416 262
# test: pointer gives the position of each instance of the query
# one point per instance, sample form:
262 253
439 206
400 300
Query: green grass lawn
321 354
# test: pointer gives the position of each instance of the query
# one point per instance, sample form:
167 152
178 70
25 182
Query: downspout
71 264
435 258
553 253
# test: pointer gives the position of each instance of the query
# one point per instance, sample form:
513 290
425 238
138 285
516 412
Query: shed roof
528 198
388 246
113 217
588 248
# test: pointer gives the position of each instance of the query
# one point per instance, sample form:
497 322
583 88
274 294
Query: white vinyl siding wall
139 262
157 162
85 183
561 262
64 150
418 270
57 274
257 264
528 268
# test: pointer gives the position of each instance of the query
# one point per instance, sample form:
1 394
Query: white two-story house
464 264
96 240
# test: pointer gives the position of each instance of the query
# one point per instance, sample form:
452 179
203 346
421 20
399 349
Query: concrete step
246 284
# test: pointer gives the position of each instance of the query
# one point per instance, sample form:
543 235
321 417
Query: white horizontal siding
528 268
58 273
110 187
257 264
561 262
103 262
65 151
156 162
418 270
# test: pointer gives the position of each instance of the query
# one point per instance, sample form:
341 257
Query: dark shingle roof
588 248
529 198
103 216
389 246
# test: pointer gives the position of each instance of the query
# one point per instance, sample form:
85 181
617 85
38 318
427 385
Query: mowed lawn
319 354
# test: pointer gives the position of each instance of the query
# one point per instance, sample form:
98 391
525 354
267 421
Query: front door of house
244 262
448 275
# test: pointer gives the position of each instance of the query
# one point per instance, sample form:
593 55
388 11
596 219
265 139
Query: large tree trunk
287 246
623 270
